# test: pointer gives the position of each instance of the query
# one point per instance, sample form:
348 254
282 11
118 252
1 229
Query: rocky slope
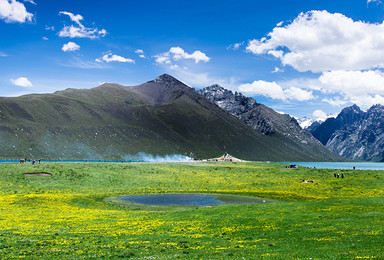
263 119
348 116
358 135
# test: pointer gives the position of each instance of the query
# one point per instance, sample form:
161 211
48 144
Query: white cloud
75 18
373 1
2 54
276 70
298 94
197 56
30 1
45 38
338 88
162 58
21 82
275 91
173 67
14 11
367 101
264 88
109 57
336 101
140 53
319 114
49 28
177 53
320 41
235 46
354 83
80 31
70 46
365 88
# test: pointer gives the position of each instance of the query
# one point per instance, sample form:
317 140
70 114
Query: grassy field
74 214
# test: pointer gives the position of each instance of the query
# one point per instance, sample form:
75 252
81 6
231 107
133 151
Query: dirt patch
37 173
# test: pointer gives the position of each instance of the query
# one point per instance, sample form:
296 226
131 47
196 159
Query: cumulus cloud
365 88
197 56
275 91
140 53
177 53
354 83
12 11
80 31
320 41
22 82
319 114
339 88
163 58
109 57
45 38
70 46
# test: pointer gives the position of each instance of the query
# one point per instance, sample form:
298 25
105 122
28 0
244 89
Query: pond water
174 200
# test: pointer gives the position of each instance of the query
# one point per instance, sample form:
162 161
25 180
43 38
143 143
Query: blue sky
305 58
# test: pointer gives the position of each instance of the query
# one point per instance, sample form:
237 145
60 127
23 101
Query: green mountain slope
163 116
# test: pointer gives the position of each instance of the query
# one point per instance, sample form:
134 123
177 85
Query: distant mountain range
265 120
310 124
354 134
162 116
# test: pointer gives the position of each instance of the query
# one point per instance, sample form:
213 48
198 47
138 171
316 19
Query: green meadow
76 213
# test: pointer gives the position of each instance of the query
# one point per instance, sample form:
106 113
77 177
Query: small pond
189 200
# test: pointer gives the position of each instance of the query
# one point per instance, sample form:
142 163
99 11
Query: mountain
305 122
348 116
162 116
265 120
311 124
360 135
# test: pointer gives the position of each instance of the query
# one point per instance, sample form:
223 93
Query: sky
306 58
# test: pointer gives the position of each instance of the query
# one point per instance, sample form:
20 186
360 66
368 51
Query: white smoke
143 157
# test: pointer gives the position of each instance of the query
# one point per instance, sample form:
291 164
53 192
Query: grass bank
66 215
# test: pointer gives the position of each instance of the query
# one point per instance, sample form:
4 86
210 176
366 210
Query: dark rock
360 135
348 116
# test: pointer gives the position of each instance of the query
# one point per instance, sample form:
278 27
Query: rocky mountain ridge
347 116
355 134
260 117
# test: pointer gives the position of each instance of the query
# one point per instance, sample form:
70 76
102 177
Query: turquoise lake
342 165
319 165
